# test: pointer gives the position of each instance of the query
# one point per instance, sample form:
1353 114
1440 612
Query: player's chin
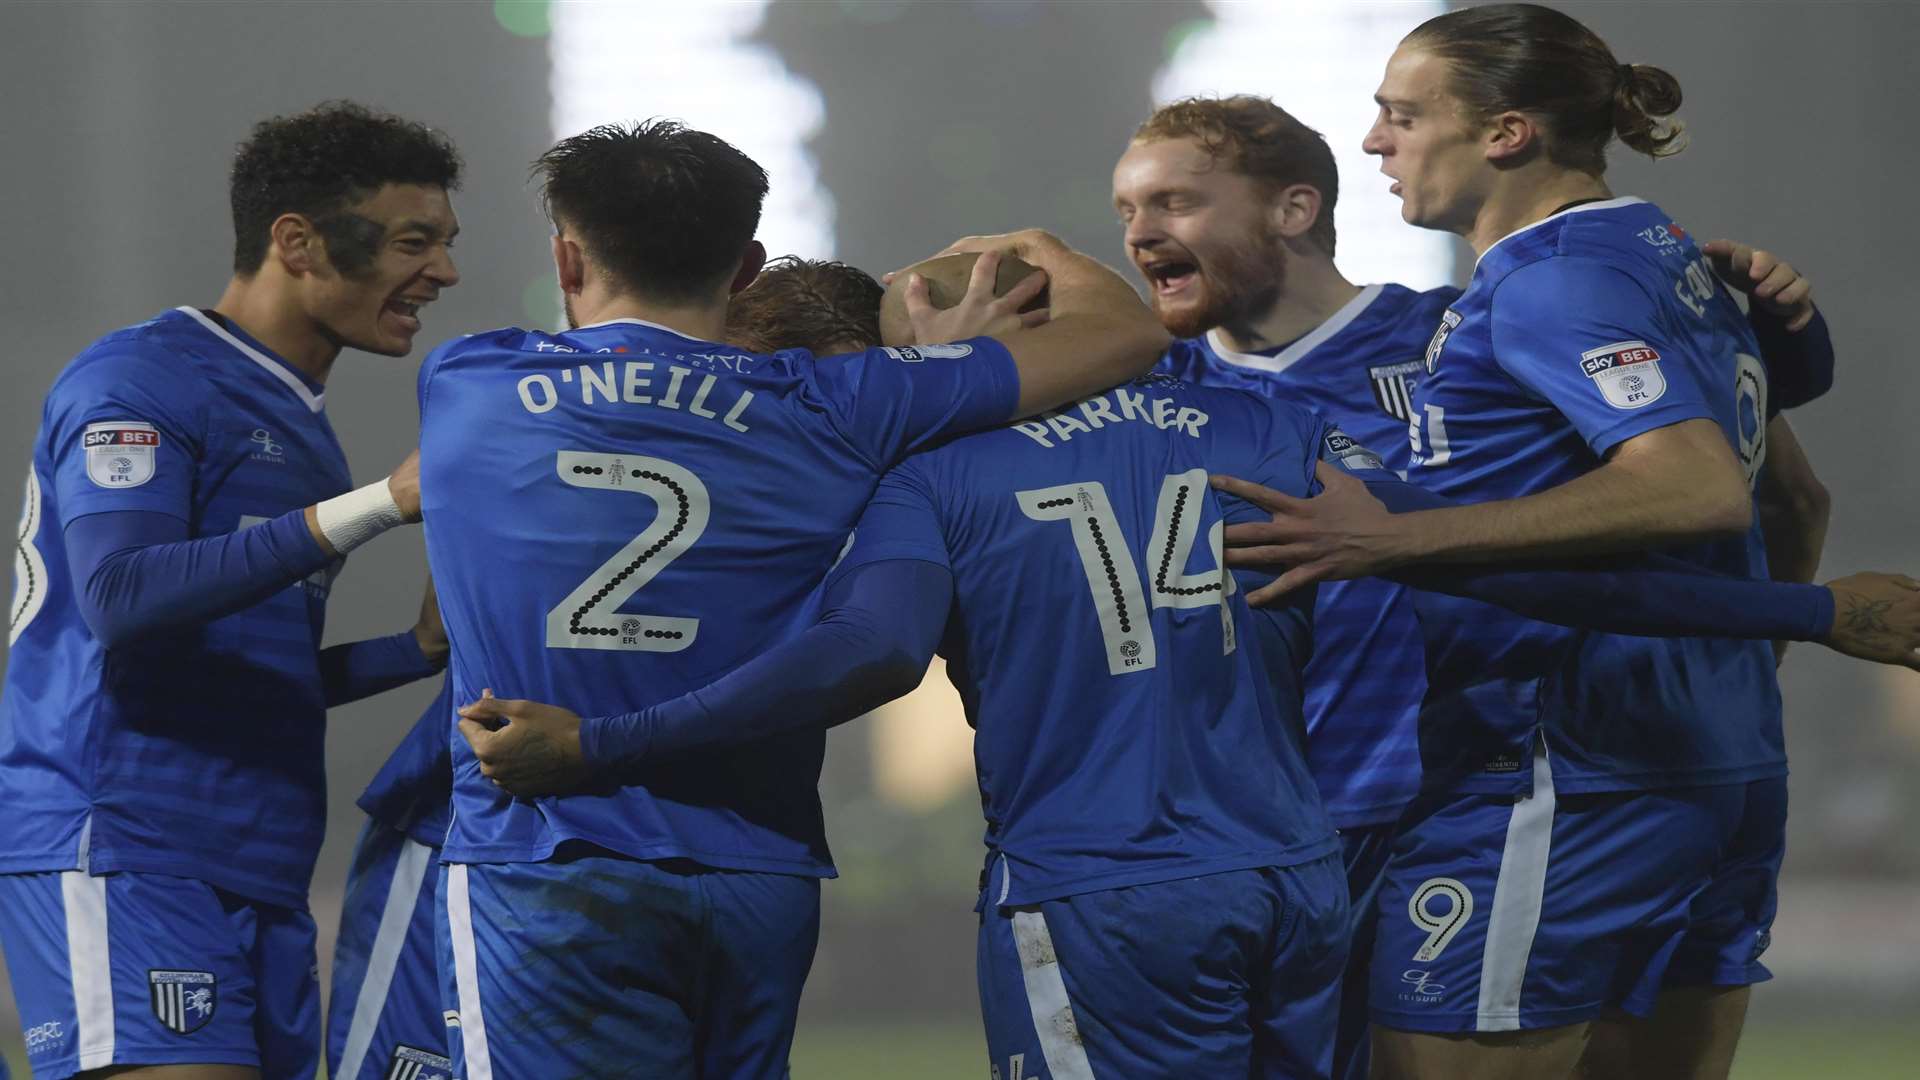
390 335
1186 317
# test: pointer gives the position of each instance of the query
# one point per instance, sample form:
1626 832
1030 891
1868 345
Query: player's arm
1794 509
884 607
1098 331
1871 616
1792 333
1667 476
881 623
359 669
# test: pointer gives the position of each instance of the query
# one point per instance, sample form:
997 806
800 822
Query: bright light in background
1321 61
691 61
922 746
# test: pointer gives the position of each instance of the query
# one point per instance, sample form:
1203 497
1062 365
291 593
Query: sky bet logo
1627 373
94 440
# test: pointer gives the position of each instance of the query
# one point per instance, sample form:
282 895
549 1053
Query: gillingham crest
183 1001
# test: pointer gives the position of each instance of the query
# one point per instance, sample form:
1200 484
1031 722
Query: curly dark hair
319 162
797 303
666 210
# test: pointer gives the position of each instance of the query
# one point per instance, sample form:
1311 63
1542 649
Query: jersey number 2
589 617
1113 578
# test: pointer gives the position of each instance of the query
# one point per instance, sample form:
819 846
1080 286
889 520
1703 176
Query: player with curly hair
187 510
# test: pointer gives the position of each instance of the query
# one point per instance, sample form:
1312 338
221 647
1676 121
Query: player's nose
443 271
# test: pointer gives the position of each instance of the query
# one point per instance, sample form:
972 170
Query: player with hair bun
1604 815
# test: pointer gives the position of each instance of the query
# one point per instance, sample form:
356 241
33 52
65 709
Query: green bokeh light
540 302
523 18
1178 36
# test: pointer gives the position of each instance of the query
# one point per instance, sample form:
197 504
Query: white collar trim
1297 351
1604 204
637 322
315 402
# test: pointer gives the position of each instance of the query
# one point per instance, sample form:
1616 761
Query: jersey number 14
1119 594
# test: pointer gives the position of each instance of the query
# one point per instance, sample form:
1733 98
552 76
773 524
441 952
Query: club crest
183 1001
413 1063
1393 388
1448 320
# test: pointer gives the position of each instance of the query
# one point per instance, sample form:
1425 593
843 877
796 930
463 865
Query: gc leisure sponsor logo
1420 987
267 448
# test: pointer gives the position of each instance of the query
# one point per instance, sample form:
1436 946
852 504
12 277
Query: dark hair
799 303
663 208
318 163
1537 60
1260 139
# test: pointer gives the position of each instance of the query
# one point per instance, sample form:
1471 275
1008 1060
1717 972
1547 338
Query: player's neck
1529 195
1314 292
271 317
703 320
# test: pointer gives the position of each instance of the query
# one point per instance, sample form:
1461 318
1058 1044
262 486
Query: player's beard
1240 284
566 309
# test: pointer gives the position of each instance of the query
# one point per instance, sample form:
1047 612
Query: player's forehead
1414 79
1153 166
424 208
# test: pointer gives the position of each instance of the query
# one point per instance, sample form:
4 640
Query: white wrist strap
349 520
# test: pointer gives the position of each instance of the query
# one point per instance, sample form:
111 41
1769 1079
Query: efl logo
1627 373
120 453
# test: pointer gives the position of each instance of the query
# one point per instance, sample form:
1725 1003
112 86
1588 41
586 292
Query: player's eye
412 245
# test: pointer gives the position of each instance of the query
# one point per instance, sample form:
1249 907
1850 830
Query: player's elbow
1722 506
1804 501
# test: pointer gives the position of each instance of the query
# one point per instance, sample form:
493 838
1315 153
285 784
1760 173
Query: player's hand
1032 245
979 313
404 483
1343 532
1768 281
1876 617
429 631
525 747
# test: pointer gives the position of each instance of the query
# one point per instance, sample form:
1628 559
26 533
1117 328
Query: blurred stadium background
890 127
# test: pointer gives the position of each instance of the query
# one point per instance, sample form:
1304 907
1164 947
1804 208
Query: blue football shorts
1229 974
596 965
133 968
1502 913
384 1018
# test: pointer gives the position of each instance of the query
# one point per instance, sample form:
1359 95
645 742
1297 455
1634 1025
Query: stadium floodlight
693 62
1321 61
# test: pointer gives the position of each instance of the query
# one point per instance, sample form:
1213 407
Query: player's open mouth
407 313
1169 278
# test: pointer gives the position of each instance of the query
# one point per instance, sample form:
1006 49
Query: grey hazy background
119 119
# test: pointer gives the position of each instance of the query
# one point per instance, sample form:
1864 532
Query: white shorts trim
1053 1018
1517 896
396 917
89 967
466 976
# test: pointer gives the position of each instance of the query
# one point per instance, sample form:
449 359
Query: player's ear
751 260
569 264
294 241
1511 134
1295 209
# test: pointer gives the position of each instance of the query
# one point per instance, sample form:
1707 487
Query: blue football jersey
1368 672
1127 728
619 514
413 789
1576 333
198 752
